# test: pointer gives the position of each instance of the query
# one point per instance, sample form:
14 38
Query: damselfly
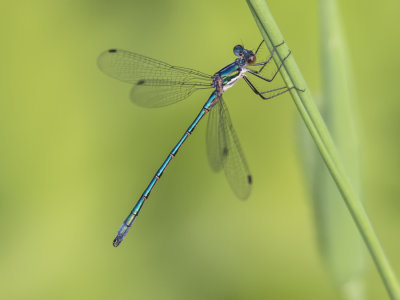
170 84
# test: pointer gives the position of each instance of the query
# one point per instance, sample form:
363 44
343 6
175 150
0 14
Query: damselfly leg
263 64
273 92
279 91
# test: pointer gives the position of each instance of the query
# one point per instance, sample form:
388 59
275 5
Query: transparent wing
174 83
215 138
139 69
157 96
224 150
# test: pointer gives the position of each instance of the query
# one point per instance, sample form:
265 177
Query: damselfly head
247 56
238 50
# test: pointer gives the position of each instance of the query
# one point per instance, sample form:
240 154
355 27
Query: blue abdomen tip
117 241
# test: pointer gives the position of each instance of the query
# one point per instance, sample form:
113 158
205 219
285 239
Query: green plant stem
316 126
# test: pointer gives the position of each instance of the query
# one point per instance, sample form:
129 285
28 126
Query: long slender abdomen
138 206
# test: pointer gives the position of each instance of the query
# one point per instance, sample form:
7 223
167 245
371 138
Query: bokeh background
76 154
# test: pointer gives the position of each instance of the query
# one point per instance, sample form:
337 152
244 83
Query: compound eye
238 50
251 60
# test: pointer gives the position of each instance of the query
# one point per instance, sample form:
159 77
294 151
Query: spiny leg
261 94
255 73
263 64
259 46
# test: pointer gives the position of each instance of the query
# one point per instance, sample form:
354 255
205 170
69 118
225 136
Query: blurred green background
76 154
